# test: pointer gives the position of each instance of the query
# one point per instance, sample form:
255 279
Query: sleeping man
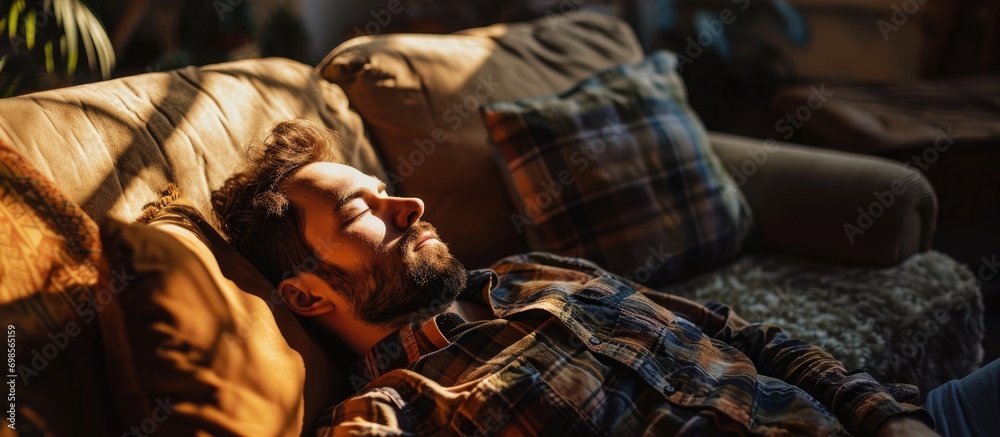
538 345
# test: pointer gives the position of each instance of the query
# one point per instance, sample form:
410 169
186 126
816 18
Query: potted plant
43 45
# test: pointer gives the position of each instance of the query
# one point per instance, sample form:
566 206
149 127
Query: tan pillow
420 97
211 339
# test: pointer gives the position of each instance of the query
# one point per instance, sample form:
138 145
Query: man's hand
904 426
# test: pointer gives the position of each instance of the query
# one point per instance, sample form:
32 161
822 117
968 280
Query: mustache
409 239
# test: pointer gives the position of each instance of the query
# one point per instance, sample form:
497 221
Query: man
539 345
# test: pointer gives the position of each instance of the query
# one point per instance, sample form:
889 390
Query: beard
401 284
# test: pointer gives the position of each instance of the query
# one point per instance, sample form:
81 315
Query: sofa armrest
831 206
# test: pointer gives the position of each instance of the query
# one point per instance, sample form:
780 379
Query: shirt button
668 389
595 341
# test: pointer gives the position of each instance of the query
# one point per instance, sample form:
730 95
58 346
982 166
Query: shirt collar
420 337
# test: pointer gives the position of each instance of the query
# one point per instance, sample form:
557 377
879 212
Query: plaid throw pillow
619 170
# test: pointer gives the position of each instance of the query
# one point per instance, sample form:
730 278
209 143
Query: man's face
386 262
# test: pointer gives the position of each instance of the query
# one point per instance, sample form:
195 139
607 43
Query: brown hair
253 211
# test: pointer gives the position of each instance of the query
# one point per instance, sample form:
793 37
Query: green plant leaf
50 62
12 86
65 14
75 29
95 41
30 21
14 15
87 41
102 43
56 6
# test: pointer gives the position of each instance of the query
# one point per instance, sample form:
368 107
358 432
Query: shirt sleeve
376 412
860 403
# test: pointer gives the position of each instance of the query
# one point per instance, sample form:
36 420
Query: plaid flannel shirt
577 351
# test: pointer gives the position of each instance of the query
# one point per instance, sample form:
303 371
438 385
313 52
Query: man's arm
860 403
858 400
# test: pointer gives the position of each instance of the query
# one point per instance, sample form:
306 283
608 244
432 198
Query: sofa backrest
113 146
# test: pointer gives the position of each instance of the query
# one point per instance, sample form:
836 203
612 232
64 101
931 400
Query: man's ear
300 298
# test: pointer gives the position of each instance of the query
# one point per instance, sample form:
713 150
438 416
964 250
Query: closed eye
353 205
359 215
354 210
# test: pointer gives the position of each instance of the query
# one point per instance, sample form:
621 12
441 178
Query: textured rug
919 322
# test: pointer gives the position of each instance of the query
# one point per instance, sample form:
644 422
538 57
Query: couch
81 163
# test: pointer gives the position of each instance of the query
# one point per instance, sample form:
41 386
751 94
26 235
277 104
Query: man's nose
406 211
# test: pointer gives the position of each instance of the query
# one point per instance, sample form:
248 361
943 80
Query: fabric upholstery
618 170
211 338
802 198
112 146
910 116
419 95
49 269
948 130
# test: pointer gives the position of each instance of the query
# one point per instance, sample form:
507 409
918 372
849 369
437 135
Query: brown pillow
202 329
49 264
420 97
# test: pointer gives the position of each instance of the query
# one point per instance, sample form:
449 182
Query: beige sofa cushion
420 96
113 146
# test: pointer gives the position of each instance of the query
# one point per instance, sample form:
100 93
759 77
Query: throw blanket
919 322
